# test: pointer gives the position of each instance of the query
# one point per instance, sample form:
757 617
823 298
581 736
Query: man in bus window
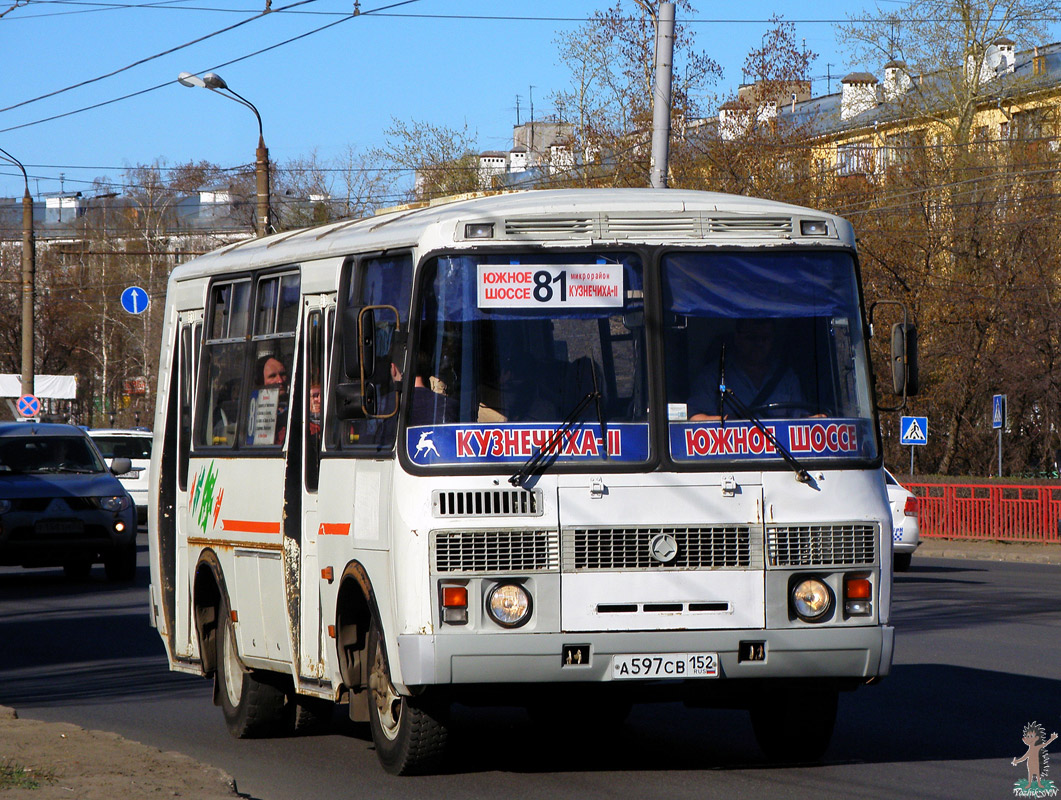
756 371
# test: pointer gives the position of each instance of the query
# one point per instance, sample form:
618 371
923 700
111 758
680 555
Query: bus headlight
811 599
509 605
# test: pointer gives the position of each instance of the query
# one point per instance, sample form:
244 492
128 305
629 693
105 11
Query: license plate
59 527
665 665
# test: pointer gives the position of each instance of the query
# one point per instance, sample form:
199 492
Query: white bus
568 449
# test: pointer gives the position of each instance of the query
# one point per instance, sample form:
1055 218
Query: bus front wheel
409 733
252 704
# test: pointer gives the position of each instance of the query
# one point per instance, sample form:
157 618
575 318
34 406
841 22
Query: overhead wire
147 59
169 83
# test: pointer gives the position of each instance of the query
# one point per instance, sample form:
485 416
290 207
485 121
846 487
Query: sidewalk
58 761
988 550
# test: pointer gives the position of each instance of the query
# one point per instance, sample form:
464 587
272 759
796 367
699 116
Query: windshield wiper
546 450
725 394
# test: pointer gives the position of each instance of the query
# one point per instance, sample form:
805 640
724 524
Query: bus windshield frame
490 339
771 339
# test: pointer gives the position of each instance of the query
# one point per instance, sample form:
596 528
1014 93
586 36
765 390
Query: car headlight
118 502
509 605
811 599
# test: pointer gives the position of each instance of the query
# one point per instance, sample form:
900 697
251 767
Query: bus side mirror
370 334
904 359
351 343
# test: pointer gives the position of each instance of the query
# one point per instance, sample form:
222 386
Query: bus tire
409 733
794 723
252 704
902 561
312 715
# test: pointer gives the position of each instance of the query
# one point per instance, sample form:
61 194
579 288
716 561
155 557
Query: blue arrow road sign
998 411
913 430
29 406
134 300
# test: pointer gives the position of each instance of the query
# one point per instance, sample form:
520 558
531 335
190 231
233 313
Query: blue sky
327 91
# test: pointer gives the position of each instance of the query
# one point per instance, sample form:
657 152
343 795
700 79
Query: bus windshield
774 336
509 345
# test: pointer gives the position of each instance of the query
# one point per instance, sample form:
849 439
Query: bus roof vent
486 503
549 227
748 226
686 226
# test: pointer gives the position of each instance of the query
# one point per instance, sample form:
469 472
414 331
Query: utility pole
29 280
661 96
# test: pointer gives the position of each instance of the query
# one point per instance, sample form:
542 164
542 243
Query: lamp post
216 83
29 279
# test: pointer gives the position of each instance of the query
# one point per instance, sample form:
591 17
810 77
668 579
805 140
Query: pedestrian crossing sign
998 411
913 430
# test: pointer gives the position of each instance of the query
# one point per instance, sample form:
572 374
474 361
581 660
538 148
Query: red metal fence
1010 512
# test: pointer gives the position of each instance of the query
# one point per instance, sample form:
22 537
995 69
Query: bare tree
611 59
441 160
760 145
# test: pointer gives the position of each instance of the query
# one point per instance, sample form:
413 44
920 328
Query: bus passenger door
190 330
317 310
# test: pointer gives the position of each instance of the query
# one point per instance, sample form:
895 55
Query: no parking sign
29 406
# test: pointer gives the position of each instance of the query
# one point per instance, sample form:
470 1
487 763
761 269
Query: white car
906 530
136 446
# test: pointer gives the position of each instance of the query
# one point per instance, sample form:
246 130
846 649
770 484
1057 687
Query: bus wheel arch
355 610
207 591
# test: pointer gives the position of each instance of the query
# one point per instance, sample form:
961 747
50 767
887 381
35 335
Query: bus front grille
487 503
715 547
495 551
821 545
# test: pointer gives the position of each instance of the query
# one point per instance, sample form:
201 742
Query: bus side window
277 305
314 398
223 359
186 396
385 281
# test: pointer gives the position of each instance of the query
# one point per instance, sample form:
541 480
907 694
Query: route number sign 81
550 286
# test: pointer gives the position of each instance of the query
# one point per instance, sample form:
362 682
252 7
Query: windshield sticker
552 286
744 440
499 444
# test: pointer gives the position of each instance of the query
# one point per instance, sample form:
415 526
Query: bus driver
755 371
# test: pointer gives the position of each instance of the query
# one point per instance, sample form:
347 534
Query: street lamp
216 83
29 279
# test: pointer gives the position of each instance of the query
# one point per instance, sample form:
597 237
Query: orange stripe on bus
334 529
249 526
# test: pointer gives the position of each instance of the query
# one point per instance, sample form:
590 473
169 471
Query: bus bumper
848 652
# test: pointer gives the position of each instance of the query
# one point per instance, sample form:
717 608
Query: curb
1020 552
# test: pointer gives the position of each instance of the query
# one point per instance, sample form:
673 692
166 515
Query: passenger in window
521 392
269 401
272 371
756 371
430 404
314 417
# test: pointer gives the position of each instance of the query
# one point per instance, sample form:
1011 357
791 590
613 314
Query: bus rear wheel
253 704
410 733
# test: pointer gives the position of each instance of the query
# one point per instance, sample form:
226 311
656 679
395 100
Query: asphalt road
978 656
